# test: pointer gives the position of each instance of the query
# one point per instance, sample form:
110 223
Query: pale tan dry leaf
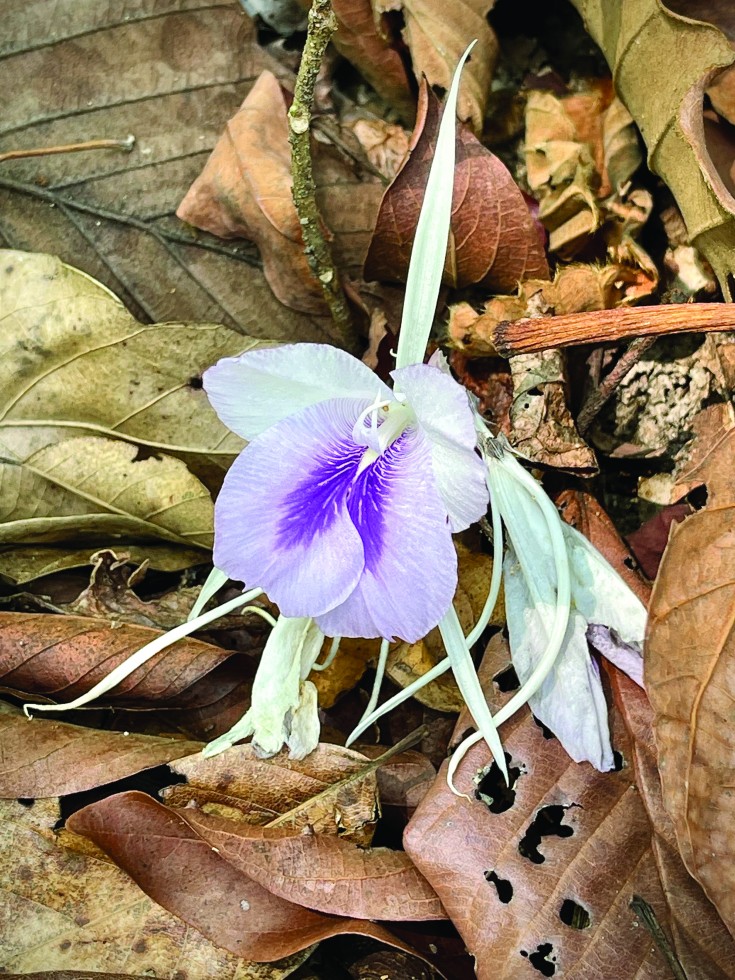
170 74
437 42
239 784
65 910
663 61
385 144
691 681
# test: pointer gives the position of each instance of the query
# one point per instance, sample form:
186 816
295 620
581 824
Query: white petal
252 392
443 411
303 735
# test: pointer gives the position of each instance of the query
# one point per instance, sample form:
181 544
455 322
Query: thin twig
406 743
43 151
176 238
594 404
322 24
648 917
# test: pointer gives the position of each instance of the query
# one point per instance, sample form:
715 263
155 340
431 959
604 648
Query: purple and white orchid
343 504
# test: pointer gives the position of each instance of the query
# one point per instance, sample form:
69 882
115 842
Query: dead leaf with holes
171 80
539 876
329 791
244 191
67 908
493 237
690 678
179 867
691 150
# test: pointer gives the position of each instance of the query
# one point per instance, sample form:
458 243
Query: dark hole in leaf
492 791
507 679
534 392
546 823
539 960
439 91
698 497
149 781
629 562
502 886
573 914
26 801
618 761
546 732
196 382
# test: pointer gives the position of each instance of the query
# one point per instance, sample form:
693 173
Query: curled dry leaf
540 875
78 364
691 153
244 191
437 42
311 793
67 910
187 875
576 289
493 238
61 657
325 873
691 683
50 758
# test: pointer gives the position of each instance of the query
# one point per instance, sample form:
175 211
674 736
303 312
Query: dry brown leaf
64 910
345 670
51 758
362 41
385 144
493 238
691 682
171 75
244 191
237 784
437 42
693 154
325 873
403 780
61 657
576 289
540 875
185 874
722 94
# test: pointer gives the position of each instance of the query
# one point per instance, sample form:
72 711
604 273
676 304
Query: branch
322 24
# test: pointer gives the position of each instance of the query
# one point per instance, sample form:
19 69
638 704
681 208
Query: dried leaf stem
322 25
648 917
126 144
406 743
594 404
533 334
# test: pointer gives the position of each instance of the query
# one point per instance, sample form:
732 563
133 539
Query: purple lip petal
445 417
281 519
252 392
410 563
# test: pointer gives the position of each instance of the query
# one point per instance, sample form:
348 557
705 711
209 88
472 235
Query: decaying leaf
540 874
171 76
576 288
644 42
51 758
190 877
63 909
307 793
689 676
437 42
493 238
244 191
79 372
323 872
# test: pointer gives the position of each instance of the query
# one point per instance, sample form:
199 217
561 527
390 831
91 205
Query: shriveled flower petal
281 519
625 656
410 563
252 392
444 414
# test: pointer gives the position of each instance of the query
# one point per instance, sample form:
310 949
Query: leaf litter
111 458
